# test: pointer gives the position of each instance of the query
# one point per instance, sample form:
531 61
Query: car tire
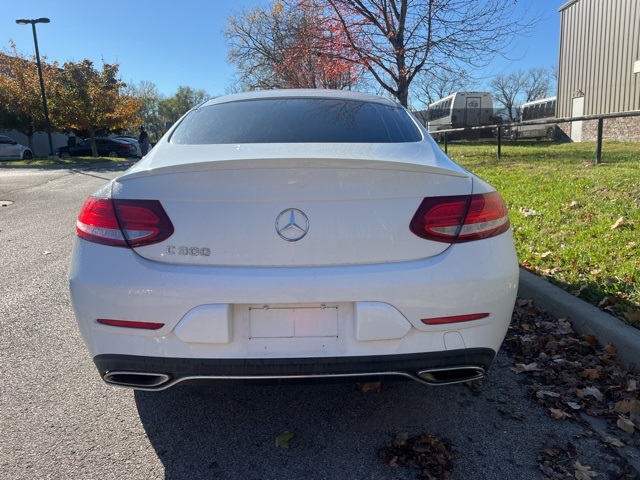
27 155
551 133
514 136
65 155
112 154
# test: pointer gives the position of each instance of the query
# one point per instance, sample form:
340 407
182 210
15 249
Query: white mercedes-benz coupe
293 234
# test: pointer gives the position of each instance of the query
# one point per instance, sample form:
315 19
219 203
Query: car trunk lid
291 209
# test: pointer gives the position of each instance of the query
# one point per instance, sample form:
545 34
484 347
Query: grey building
599 66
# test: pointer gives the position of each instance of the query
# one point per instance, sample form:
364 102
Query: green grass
574 222
41 162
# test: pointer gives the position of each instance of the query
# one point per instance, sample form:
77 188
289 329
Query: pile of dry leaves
431 455
573 374
572 377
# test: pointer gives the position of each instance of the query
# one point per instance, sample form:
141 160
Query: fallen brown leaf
594 392
574 405
375 387
521 367
591 339
613 441
401 439
583 472
559 414
628 405
590 374
625 424
632 316
618 223
610 350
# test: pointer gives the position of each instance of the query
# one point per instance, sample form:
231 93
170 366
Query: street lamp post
23 21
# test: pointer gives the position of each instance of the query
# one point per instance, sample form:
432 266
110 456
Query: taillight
460 218
123 223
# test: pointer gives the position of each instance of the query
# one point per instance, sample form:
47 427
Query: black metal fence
499 129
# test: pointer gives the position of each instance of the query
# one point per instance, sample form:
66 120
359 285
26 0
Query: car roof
301 93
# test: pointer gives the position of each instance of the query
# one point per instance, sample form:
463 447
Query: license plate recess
294 322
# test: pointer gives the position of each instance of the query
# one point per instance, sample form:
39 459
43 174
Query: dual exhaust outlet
160 381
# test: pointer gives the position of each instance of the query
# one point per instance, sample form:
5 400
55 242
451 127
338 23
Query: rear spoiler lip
423 159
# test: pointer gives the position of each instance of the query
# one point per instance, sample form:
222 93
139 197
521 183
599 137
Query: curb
585 318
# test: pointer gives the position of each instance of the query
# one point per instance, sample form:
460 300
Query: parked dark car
131 140
107 147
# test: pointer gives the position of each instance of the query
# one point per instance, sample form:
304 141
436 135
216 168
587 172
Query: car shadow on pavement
229 431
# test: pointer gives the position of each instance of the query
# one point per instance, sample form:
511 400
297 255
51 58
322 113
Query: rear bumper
158 373
115 283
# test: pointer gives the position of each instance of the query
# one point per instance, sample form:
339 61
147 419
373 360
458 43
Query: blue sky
181 43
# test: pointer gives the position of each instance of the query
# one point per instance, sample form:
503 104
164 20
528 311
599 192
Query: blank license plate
294 322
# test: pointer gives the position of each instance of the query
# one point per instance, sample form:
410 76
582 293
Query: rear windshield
296 120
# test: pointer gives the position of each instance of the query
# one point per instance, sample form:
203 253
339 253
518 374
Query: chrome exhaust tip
448 375
136 379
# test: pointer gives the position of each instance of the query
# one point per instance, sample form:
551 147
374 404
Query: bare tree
253 41
553 69
149 98
506 90
397 39
536 84
513 89
431 86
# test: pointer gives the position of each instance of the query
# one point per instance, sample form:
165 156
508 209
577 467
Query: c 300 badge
190 251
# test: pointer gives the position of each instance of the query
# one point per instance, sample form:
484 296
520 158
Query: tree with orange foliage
314 55
20 93
87 99
290 44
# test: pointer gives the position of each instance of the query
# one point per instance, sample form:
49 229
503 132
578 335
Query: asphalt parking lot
60 421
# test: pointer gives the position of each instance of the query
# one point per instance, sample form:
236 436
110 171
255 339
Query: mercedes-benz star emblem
292 224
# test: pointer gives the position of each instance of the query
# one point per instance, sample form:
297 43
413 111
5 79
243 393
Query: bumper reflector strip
454 319
131 324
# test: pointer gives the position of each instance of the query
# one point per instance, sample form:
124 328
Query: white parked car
10 149
293 234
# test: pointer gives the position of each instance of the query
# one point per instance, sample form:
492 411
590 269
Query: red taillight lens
131 324
123 223
454 319
97 223
143 222
460 218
